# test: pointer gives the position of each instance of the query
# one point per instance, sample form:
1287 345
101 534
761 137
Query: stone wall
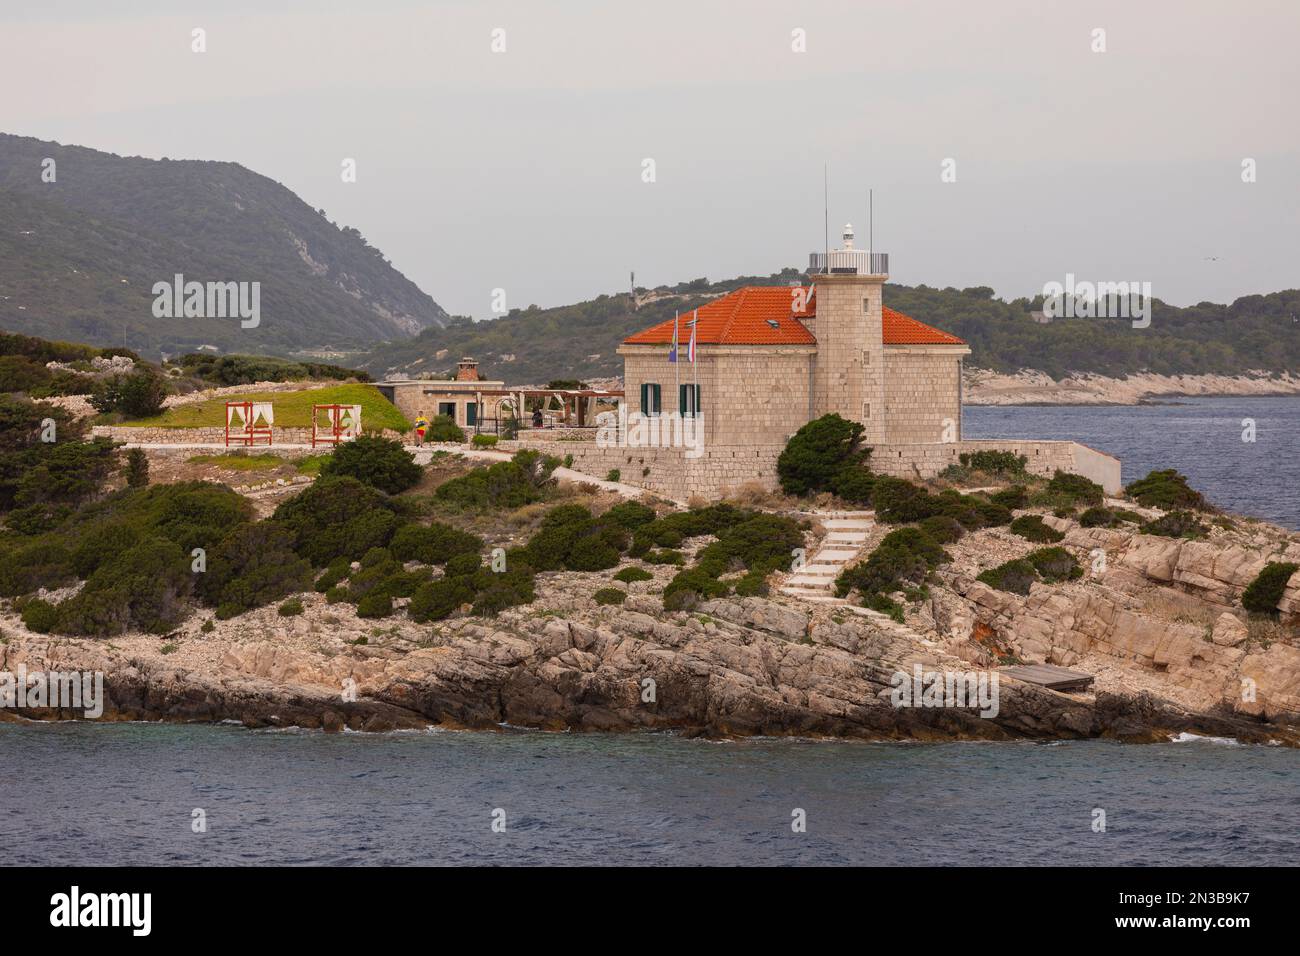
919 461
207 435
753 395
922 394
718 471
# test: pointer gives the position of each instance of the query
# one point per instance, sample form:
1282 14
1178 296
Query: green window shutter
688 400
683 406
696 407
658 398
645 398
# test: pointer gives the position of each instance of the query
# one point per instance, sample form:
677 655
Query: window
688 400
650 398
448 409
866 411
866 304
471 413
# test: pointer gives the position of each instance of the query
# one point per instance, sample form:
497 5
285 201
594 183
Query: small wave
1186 738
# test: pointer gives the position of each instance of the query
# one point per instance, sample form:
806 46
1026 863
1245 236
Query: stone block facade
922 394
208 435
849 365
749 395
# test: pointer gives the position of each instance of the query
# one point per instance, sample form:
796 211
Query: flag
672 352
690 348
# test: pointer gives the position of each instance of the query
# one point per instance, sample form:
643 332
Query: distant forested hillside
79 256
579 341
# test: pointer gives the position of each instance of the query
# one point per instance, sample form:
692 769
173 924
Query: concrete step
821 598
830 555
829 570
848 524
809 581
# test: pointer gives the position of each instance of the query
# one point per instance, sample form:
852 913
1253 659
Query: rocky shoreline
739 666
1030 387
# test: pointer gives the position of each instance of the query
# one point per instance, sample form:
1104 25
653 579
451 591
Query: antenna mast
826 216
871 221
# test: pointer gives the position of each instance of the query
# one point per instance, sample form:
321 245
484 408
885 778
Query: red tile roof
764 315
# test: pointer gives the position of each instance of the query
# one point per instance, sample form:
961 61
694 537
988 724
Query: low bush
467 562
690 586
632 573
137 468
613 475
39 616
1004 463
753 584
1167 490
630 514
138 394
291 607
901 562
1076 488
378 462
1098 517
1013 497
610 596
440 599
1032 528
501 486
252 566
434 543
855 484
338 517
1054 564
1176 524
444 428
818 453
1015 576
378 603
1264 593
484 441
942 529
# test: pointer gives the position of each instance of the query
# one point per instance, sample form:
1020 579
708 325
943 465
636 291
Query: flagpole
677 365
695 366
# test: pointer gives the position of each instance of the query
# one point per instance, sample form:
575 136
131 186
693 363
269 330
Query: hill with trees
79 256
579 341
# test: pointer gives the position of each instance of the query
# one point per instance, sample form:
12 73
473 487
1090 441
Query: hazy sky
523 169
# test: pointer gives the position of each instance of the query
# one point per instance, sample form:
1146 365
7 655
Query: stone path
846 534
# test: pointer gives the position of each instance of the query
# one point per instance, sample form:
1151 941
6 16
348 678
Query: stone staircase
846 533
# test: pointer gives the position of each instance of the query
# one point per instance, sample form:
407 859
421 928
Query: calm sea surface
82 793
125 793
1201 437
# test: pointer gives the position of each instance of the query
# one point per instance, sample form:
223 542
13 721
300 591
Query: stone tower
849 368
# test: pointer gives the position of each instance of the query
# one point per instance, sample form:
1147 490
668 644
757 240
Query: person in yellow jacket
421 426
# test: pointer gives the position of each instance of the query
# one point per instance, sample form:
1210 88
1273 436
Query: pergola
576 406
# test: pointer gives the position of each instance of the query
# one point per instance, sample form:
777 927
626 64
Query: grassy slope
292 409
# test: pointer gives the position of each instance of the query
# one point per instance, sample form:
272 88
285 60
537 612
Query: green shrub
689 587
291 607
994 514
753 584
816 455
664 556
337 570
764 541
252 566
440 599
444 428
338 517
435 543
1032 528
632 573
1264 593
1076 488
378 603
902 561
379 462
146 587
1132 517
1054 564
498 591
1167 490
137 468
1176 524
1005 463
854 484
942 528
467 562
336 595
484 441
898 501
610 596
884 605
43 564
502 485
1012 497
630 514
138 394
614 475
1015 576
1097 517
39 616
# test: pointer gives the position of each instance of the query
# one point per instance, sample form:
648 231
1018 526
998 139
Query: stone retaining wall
208 435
